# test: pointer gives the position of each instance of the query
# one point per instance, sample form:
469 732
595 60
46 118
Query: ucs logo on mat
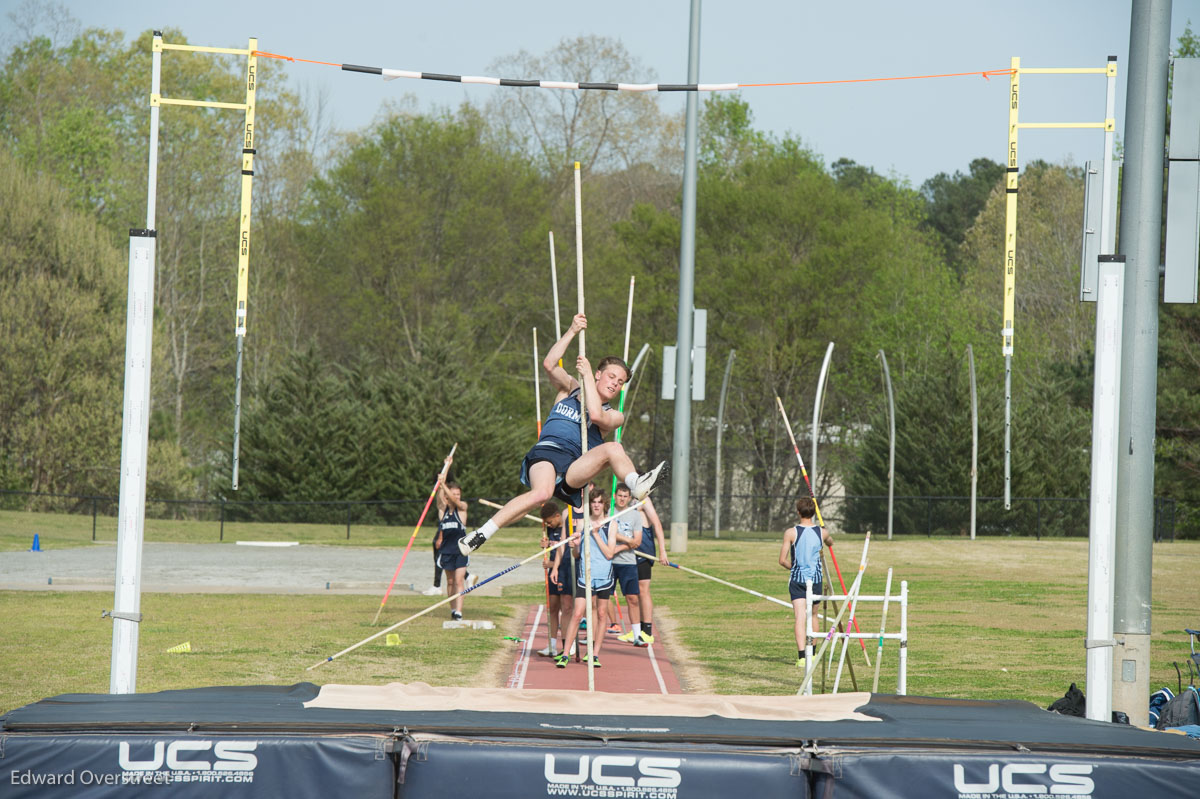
613 776
190 761
1061 780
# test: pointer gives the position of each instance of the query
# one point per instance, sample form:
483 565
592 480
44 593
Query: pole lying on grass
887 595
850 595
539 554
428 502
820 521
716 580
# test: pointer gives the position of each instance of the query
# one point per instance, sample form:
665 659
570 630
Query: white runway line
662 686
526 649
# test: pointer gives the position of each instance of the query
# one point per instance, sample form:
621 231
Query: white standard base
468 624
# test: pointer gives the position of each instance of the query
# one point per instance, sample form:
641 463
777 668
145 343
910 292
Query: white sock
631 480
637 629
489 529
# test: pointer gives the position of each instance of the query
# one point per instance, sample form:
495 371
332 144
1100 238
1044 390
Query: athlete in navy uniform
801 555
452 526
559 577
557 465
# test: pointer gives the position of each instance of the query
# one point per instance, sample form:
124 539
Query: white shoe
645 482
547 652
432 590
469 543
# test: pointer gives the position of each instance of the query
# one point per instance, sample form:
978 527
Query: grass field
993 618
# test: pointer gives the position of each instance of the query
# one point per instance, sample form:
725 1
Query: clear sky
913 129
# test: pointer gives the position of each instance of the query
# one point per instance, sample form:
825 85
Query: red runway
627 669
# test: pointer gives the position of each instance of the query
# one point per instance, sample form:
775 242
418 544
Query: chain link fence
743 516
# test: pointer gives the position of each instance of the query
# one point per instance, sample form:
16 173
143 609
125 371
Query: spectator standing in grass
452 526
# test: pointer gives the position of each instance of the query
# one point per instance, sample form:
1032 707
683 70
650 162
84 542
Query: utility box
1182 252
699 359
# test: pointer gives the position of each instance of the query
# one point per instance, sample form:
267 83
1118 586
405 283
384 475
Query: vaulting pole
750 591
585 533
539 554
537 384
428 502
612 500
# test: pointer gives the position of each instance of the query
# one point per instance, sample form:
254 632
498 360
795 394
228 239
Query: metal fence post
222 535
93 518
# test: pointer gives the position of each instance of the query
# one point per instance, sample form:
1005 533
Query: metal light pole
681 453
974 435
1140 237
887 379
818 401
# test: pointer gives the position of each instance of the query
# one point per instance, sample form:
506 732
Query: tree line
397 271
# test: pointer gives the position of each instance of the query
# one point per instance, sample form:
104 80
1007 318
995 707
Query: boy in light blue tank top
801 556
557 464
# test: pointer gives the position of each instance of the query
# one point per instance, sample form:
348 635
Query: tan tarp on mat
421 697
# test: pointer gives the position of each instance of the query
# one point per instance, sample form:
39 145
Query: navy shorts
449 558
626 575
566 577
799 591
562 460
645 566
603 591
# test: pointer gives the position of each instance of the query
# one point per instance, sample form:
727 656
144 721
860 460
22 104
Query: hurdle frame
812 597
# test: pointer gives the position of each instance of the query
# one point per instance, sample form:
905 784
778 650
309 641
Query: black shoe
469 543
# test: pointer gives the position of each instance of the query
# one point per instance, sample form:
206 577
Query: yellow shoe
627 637
646 639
